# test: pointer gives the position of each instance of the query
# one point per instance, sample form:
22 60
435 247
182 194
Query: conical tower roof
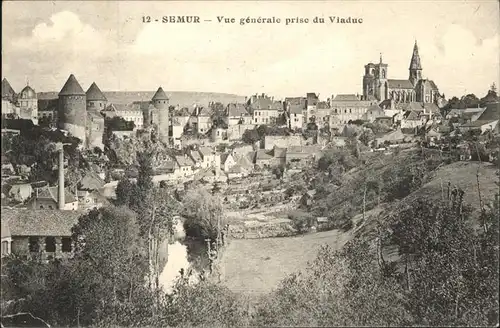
94 93
160 95
7 91
415 59
72 88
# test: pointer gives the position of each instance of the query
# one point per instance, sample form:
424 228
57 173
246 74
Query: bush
302 222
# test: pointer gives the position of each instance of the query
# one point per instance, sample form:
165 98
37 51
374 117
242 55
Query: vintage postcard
250 163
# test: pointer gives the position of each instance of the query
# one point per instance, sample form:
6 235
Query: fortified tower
95 98
72 109
160 102
96 102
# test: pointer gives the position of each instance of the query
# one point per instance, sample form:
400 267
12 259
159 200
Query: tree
124 190
109 263
250 136
203 213
450 273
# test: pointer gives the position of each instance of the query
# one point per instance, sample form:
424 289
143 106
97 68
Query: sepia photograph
250 163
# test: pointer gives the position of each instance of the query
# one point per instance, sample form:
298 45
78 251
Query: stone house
38 234
227 161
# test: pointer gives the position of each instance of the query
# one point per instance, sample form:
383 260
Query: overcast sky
108 43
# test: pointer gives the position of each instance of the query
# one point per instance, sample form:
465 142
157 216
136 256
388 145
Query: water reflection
185 254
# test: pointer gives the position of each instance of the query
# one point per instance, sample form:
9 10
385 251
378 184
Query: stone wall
283 229
235 132
284 141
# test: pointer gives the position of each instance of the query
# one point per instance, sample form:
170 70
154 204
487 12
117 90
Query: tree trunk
364 203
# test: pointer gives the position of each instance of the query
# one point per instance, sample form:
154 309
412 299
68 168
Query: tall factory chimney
60 189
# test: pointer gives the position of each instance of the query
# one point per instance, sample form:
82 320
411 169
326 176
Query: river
184 253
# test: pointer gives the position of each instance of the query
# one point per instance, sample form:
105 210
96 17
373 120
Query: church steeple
415 66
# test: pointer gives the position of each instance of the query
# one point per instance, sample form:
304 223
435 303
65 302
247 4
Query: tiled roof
72 88
160 95
433 108
346 97
477 123
237 110
411 115
399 84
296 108
196 156
416 106
224 157
205 151
204 112
184 161
7 91
263 103
124 108
296 100
5 232
491 113
52 192
24 222
91 181
94 93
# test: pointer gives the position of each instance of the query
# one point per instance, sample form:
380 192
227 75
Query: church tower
160 102
381 92
415 66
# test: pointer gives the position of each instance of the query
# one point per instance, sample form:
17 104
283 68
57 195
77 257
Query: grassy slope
256 266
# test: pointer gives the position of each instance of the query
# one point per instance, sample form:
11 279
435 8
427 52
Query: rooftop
94 93
23 222
72 88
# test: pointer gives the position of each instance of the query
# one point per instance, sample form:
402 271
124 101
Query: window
350 110
33 245
50 244
50 207
66 244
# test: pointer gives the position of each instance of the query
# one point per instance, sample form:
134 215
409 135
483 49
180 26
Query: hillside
181 98
269 260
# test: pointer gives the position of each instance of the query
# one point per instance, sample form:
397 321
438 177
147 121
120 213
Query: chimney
61 201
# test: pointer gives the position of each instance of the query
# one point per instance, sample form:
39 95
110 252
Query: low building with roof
47 198
185 166
39 234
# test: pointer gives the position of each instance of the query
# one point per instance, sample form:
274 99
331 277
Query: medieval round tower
96 100
72 109
160 102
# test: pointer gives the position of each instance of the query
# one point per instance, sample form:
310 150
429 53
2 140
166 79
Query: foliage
302 222
452 272
118 123
203 214
258 133
203 305
278 171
